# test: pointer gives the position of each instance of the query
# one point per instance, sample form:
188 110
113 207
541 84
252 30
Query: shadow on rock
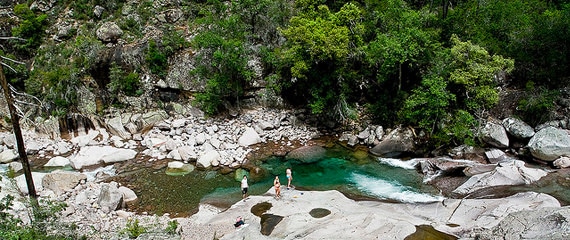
319 212
427 232
261 208
268 223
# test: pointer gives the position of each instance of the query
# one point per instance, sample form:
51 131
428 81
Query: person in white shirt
244 186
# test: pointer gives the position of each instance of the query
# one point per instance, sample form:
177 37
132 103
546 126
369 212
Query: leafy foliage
461 82
474 74
223 59
320 43
127 83
55 79
172 226
31 28
159 51
533 106
428 104
529 31
156 59
134 229
43 222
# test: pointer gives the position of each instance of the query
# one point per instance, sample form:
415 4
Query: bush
32 28
128 84
172 226
156 59
44 223
537 105
133 229
456 129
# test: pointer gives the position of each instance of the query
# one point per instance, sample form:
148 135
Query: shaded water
340 170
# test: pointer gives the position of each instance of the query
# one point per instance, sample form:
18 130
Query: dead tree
15 119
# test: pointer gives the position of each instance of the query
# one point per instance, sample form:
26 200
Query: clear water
365 177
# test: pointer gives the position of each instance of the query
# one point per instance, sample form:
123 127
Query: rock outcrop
307 154
350 219
396 143
506 173
518 128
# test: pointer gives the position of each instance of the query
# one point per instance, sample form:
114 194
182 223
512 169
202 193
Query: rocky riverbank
97 206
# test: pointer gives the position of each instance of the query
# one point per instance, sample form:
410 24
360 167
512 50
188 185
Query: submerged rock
176 168
307 154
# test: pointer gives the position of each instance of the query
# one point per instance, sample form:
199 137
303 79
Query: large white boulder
207 159
249 137
57 161
62 181
549 144
37 178
349 219
8 155
93 155
506 173
494 135
110 198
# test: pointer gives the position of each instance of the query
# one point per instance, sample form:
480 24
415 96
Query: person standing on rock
289 177
277 186
244 187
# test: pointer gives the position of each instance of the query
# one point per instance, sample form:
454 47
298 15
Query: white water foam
410 164
91 175
391 190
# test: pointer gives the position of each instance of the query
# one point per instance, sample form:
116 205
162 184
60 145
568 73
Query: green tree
475 74
460 84
403 40
55 79
532 32
428 104
222 59
31 28
321 50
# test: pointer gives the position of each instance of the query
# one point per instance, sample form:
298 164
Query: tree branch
10 38
12 60
8 66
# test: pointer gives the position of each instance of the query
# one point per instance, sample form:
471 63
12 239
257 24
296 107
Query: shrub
128 84
537 105
133 229
44 221
172 226
31 28
156 59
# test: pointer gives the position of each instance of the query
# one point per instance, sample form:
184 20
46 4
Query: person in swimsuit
277 186
289 177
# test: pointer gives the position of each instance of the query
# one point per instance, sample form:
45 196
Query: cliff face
134 55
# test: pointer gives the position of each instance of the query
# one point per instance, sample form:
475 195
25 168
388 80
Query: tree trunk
399 77
18 132
445 7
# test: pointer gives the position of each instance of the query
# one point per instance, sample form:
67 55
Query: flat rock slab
363 219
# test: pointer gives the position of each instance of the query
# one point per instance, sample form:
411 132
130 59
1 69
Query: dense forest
438 66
